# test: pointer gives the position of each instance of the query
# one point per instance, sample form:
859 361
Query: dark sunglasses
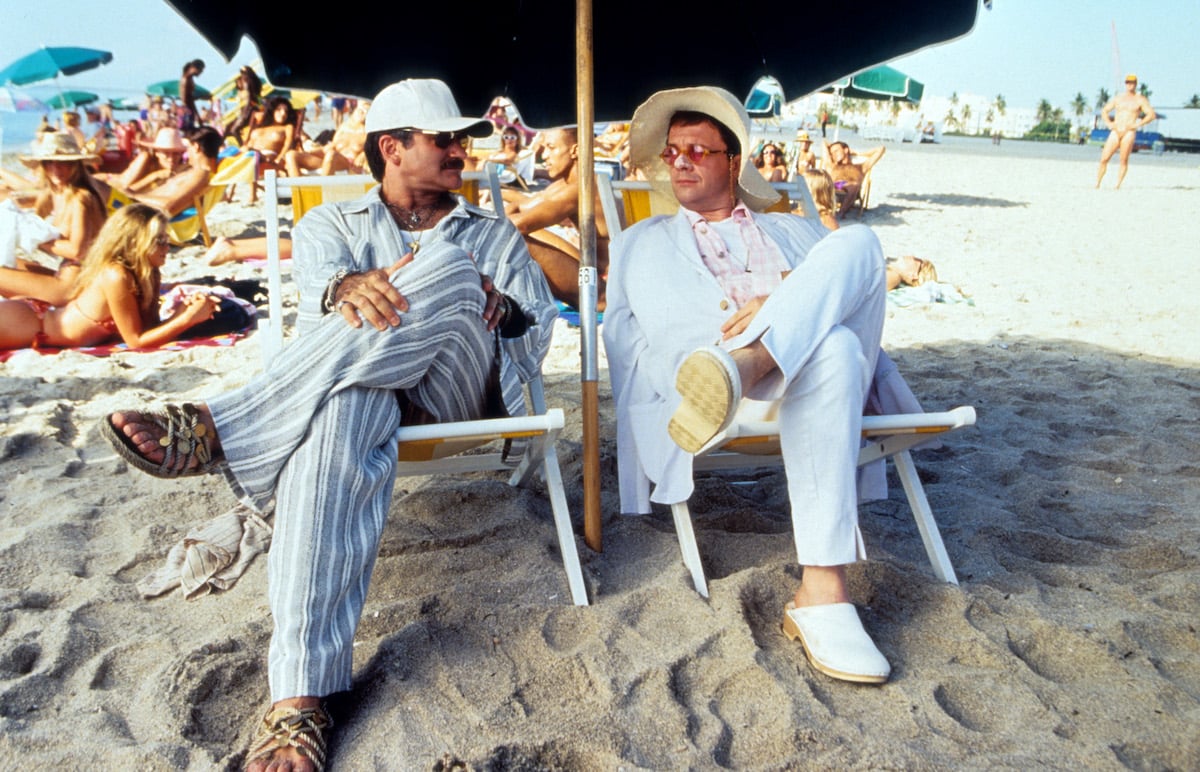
695 153
442 139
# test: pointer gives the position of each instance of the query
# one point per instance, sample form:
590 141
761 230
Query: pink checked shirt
741 282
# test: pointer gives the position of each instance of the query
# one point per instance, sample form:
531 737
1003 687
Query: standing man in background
1130 111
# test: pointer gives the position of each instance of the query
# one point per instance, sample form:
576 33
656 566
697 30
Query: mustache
456 164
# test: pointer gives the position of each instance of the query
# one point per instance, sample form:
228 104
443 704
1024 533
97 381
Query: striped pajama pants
316 433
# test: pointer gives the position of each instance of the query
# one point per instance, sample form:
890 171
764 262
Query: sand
1069 512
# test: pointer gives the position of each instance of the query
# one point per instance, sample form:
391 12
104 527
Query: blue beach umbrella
47 63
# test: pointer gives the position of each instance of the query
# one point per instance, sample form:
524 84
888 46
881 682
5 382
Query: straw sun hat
648 136
167 140
56 146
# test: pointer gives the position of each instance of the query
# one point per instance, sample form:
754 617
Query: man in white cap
402 293
718 302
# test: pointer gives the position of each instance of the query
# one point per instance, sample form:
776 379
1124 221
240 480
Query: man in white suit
719 302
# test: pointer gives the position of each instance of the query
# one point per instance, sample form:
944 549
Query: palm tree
1144 90
1102 97
1044 111
1000 104
1057 117
966 116
951 121
1079 105
1194 101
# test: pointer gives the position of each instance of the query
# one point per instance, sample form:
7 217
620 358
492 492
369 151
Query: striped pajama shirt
316 432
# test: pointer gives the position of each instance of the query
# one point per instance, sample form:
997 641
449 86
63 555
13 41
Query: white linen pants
316 432
822 326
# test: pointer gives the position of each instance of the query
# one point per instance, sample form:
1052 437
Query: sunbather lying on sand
115 294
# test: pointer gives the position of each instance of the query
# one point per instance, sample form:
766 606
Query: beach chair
445 448
751 444
755 444
191 222
634 198
636 203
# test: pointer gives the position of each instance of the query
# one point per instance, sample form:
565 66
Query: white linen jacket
662 304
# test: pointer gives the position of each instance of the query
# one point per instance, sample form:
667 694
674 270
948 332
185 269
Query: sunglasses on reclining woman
442 139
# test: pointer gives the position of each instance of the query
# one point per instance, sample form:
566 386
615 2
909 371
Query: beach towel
929 292
212 556
21 229
105 349
571 315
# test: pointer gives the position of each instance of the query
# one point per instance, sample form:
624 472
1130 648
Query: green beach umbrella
47 63
170 88
881 83
68 99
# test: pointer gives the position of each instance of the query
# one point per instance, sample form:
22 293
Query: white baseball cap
425 104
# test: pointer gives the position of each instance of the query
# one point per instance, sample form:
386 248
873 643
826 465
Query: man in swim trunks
549 219
1130 111
848 176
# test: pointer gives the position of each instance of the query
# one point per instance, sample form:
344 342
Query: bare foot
220 252
285 732
146 434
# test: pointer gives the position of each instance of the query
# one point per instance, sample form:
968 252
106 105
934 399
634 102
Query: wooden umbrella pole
588 280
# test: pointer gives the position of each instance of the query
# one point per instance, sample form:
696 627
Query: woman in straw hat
114 295
68 200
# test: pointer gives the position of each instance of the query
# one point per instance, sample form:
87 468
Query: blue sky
1027 50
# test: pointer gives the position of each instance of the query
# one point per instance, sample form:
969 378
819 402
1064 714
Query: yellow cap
1131 77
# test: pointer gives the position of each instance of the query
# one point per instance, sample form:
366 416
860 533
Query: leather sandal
186 442
300 728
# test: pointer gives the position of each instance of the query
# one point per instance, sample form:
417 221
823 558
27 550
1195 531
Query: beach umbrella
14 100
170 88
67 99
47 63
881 83
563 64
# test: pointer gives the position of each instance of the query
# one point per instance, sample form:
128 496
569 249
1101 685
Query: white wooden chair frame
540 429
888 436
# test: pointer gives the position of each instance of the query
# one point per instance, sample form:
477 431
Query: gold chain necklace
411 219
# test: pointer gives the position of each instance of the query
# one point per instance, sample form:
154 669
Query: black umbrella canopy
525 49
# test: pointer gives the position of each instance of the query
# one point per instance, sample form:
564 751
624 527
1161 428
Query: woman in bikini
272 139
115 295
67 199
771 163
